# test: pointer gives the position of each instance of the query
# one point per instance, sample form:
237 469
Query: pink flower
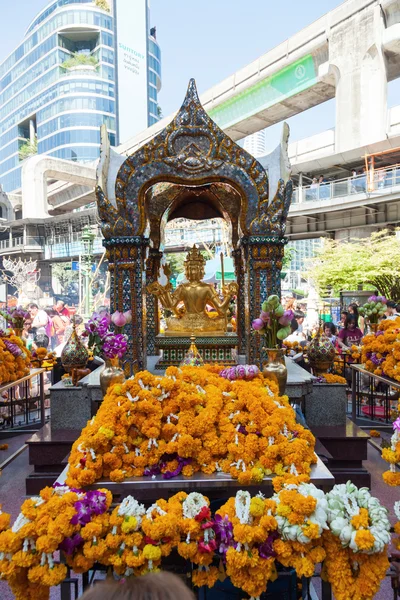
286 318
240 372
128 316
265 316
396 424
258 324
231 375
119 319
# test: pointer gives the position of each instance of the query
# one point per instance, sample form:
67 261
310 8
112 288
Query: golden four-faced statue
195 296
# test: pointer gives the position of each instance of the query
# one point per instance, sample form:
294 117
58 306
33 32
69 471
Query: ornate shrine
191 169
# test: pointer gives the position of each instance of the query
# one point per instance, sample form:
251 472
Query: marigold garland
380 351
330 379
14 358
188 421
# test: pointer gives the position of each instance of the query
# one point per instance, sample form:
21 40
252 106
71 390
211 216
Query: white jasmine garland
242 507
193 504
344 502
318 517
130 507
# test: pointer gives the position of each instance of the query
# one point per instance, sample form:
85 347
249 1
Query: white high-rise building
256 143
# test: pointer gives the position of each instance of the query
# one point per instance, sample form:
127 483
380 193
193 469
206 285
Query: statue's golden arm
168 299
229 290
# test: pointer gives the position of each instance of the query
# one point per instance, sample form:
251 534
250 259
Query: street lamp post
88 238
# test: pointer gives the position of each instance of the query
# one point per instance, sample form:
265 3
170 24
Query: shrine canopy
213 273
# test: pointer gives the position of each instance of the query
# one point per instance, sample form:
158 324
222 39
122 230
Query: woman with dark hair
154 586
353 310
350 334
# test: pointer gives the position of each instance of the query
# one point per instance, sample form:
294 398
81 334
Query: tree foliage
103 4
28 148
372 263
79 59
64 275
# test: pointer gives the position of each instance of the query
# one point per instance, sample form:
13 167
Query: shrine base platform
348 447
212 349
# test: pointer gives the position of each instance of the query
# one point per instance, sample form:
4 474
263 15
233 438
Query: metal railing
18 242
379 181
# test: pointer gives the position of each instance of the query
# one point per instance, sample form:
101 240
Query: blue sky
209 40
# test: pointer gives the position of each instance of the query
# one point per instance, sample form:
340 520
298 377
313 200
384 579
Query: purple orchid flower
82 515
224 533
97 502
69 545
115 345
266 550
396 424
13 348
182 462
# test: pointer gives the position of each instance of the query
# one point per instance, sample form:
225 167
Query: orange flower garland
380 352
352 575
251 564
12 366
188 421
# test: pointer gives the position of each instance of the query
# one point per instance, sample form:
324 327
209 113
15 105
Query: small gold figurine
195 295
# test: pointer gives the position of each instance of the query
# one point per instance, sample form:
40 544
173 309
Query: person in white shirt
295 335
40 320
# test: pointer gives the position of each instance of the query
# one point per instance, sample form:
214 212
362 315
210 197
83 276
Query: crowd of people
347 332
48 327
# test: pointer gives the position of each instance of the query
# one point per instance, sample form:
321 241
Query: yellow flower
361 520
151 552
129 524
257 507
364 539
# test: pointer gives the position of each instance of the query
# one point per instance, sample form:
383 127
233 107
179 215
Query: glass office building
59 86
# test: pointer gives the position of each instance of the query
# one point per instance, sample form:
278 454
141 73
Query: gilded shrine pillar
126 257
263 256
240 300
153 264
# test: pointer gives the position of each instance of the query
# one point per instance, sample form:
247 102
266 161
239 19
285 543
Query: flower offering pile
380 351
374 308
298 527
355 543
15 317
14 357
192 420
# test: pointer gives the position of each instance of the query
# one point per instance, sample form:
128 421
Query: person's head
41 340
398 308
315 180
321 178
353 309
391 307
294 326
154 586
51 311
343 315
60 305
299 316
350 322
329 329
33 309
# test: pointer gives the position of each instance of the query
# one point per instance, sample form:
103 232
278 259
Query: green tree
102 4
79 59
28 148
287 258
64 275
372 263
